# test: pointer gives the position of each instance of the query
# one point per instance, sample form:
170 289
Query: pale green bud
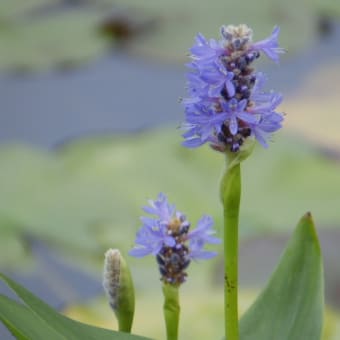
118 285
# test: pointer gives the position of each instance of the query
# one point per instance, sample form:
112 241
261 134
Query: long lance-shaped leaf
56 326
22 323
291 306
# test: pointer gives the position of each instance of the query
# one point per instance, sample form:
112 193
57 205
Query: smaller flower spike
168 238
226 103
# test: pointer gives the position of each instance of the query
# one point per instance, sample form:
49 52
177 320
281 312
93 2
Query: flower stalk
228 108
230 196
171 309
168 236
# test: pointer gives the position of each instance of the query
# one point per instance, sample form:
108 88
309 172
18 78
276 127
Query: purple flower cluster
167 237
227 102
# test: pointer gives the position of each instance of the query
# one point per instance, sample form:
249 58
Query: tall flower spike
168 238
226 103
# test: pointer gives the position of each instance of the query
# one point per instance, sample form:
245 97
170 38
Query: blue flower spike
226 103
167 236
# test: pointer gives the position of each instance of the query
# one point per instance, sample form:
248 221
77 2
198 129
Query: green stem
230 195
171 310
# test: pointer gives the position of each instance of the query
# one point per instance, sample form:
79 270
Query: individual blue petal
229 84
234 111
205 51
201 124
148 221
261 137
148 241
219 79
261 78
270 45
201 236
160 207
197 88
266 103
267 124
247 117
204 229
193 142
271 123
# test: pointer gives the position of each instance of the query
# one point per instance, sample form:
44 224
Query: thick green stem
230 195
171 310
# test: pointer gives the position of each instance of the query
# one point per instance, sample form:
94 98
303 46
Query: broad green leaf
22 322
292 304
54 325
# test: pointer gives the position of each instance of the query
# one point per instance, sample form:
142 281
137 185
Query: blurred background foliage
90 191
37 34
61 209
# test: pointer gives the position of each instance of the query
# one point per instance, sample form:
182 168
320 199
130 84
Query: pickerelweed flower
168 238
226 101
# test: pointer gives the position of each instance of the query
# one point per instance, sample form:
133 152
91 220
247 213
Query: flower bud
118 285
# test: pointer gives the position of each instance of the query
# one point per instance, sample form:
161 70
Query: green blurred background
88 129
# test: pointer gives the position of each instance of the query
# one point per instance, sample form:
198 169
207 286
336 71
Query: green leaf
291 306
22 322
38 321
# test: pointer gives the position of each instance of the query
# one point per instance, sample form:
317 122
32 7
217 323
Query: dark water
114 94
